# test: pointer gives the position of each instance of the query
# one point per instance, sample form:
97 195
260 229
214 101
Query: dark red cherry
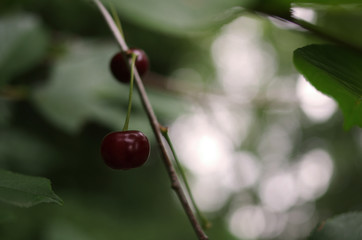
119 68
119 65
125 150
142 63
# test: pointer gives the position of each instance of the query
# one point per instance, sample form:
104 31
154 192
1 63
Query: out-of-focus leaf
5 113
288 2
329 2
340 21
178 16
282 8
82 89
61 230
6 214
23 45
345 226
273 7
26 151
75 221
25 191
336 72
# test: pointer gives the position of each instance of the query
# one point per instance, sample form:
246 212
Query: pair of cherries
126 149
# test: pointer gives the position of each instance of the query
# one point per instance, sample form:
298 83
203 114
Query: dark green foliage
337 72
23 55
25 191
345 226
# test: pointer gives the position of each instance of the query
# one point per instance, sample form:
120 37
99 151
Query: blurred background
265 153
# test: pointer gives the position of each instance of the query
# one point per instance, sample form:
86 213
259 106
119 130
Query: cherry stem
175 182
133 59
204 222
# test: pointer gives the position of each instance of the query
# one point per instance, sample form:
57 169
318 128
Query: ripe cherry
120 68
125 149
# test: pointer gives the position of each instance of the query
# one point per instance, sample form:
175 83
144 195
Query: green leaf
345 226
328 2
178 17
288 2
279 8
26 151
6 213
339 22
25 191
82 89
23 45
5 113
282 8
337 72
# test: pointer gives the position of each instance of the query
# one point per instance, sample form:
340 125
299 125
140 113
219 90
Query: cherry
120 68
125 149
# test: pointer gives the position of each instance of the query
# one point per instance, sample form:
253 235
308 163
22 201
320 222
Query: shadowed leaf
346 226
25 191
23 45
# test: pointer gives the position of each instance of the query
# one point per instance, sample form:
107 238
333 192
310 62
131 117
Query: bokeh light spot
317 106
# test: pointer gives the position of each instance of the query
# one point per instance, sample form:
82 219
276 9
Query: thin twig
175 183
318 32
321 34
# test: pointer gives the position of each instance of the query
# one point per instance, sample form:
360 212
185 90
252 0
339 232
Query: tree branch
175 183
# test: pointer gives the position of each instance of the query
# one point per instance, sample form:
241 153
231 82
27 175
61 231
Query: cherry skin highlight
119 66
125 149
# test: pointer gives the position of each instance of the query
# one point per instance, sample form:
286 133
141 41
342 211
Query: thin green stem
125 127
204 222
116 18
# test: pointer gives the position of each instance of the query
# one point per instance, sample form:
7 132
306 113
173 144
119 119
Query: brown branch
175 183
